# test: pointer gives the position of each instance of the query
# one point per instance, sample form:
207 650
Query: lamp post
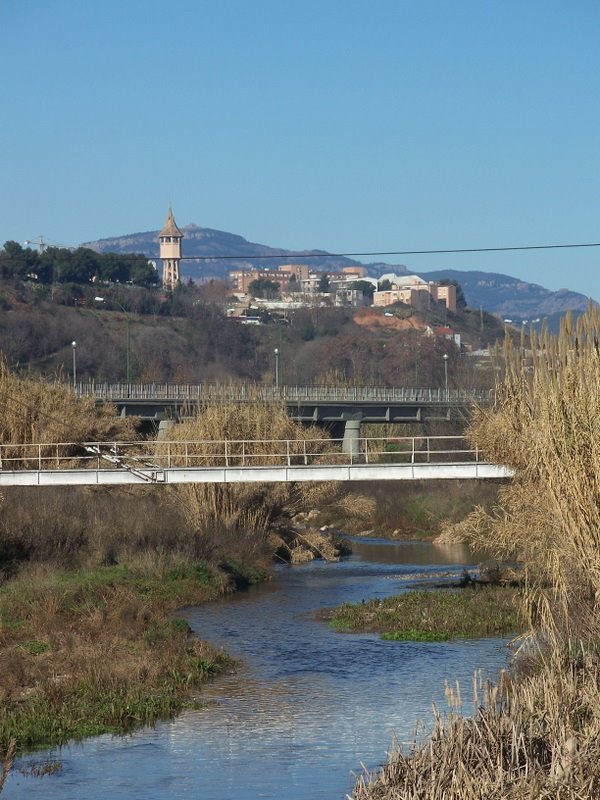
276 351
445 357
74 347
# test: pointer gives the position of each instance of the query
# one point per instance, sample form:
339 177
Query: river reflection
386 551
307 707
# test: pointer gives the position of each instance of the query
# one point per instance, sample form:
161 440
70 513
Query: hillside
505 296
187 337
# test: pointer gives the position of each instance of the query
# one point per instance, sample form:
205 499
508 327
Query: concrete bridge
228 461
341 410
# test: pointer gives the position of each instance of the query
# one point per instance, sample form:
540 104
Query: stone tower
170 251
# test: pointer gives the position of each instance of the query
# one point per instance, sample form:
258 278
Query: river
307 706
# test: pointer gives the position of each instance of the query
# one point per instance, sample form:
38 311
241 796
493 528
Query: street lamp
276 351
445 357
74 346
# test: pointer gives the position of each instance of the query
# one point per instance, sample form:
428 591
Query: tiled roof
170 227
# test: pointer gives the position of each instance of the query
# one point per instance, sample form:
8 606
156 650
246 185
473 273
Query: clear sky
345 125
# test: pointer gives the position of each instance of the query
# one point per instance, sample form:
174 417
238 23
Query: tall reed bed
546 424
535 735
235 518
39 411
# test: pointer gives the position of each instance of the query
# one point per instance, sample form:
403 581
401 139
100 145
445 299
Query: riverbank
532 737
305 706
93 651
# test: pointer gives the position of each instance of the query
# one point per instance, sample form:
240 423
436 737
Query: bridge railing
230 453
245 393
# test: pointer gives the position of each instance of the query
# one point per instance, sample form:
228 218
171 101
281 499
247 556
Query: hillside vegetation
187 337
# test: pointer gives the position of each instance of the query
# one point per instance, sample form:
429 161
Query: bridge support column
164 428
351 441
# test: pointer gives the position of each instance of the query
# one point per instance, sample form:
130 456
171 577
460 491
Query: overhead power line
393 252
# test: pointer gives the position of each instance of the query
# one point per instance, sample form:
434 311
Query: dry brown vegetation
37 411
243 513
546 424
533 738
536 734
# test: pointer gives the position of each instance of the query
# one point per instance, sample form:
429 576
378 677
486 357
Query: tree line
60 265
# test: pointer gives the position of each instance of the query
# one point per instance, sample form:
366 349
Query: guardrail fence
241 393
153 454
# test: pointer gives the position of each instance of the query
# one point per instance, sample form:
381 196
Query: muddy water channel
306 708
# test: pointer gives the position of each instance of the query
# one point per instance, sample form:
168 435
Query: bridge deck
179 475
253 393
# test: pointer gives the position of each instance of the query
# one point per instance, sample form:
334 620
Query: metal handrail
158 454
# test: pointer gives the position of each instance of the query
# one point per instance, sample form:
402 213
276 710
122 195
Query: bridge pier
351 440
165 426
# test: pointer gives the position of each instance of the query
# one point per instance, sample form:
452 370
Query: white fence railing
153 454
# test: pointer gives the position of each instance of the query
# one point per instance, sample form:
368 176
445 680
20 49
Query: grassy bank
91 651
435 615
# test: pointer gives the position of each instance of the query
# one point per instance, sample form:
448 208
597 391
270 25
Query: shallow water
307 707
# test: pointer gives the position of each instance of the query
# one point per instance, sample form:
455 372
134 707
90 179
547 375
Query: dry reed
546 424
536 735
236 517
39 411
529 739
7 762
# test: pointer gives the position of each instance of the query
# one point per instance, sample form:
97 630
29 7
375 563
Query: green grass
35 648
413 635
90 652
438 615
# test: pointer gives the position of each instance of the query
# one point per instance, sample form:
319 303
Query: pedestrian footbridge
244 461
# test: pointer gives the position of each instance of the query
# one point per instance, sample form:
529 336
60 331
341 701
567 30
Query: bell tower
170 251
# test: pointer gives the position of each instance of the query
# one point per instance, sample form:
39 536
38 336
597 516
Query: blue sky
343 125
